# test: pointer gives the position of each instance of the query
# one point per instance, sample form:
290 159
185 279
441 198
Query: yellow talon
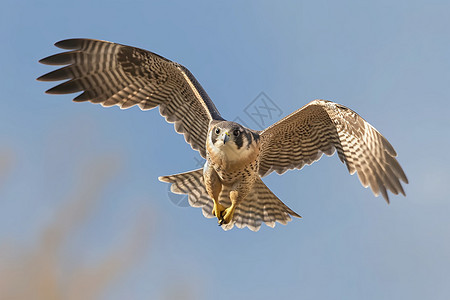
218 210
228 215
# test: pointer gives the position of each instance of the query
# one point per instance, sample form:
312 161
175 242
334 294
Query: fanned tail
191 183
261 205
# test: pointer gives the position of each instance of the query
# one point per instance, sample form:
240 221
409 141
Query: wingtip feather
163 179
69 44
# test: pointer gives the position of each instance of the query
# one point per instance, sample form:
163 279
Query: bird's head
232 139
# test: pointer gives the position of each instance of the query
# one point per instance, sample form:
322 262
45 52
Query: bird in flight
229 186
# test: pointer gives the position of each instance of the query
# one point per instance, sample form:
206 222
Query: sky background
82 214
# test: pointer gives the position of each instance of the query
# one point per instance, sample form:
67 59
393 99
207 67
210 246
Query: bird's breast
231 167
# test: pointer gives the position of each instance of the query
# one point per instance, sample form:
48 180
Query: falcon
229 186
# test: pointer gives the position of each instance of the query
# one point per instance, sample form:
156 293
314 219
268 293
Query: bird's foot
227 215
218 210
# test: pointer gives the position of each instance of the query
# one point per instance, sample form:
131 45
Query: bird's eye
236 132
217 130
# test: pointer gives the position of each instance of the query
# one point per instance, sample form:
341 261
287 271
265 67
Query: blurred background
83 216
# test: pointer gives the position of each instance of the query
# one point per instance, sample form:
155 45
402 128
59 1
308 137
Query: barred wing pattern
115 74
323 127
261 205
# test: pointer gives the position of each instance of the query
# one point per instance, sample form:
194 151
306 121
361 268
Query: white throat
228 152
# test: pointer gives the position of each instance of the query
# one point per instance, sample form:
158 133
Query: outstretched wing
323 126
114 74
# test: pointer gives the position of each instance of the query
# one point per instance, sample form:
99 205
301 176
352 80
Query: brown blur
6 162
39 270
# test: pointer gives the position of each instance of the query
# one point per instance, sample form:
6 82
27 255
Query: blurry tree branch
38 272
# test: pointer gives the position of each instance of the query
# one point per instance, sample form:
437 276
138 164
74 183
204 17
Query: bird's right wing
323 126
115 74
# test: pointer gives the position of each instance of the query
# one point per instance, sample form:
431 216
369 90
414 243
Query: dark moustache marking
213 136
238 140
249 137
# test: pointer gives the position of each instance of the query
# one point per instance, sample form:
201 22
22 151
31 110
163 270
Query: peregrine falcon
229 186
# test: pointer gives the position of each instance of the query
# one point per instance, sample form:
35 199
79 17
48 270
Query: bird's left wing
323 126
115 74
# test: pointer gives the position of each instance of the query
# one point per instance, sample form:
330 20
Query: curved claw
228 215
218 211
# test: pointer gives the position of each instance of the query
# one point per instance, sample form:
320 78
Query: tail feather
261 205
191 183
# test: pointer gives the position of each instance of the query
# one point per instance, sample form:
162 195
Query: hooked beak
226 137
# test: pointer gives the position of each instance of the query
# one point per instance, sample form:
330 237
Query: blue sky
387 60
